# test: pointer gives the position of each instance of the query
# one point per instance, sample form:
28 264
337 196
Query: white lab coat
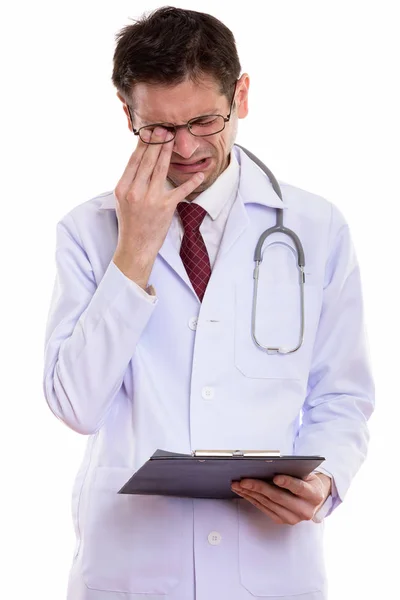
138 375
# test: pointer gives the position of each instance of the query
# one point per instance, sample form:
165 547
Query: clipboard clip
236 453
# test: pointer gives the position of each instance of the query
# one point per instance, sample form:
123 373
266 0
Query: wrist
137 270
326 484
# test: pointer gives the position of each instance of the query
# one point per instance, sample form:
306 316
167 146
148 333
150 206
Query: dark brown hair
171 45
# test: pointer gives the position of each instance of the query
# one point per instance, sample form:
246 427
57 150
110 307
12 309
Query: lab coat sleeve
91 334
340 394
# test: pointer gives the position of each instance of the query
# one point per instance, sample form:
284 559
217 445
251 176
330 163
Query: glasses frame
186 125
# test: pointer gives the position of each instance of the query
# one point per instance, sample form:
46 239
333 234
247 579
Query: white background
324 105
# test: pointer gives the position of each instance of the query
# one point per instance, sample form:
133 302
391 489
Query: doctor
149 345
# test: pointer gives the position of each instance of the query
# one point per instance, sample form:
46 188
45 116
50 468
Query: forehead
178 103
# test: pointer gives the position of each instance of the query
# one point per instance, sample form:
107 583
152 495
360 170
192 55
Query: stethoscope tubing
277 228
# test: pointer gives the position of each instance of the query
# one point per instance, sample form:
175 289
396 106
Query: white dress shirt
217 200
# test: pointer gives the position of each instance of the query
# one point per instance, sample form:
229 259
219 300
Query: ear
125 110
242 96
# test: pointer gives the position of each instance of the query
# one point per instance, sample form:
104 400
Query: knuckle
298 486
300 490
160 169
166 206
274 495
131 196
307 515
147 163
134 160
294 520
118 192
277 519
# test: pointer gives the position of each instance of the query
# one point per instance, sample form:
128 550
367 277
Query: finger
284 514
261 507
296 486
265 488
131 168
187 188
287 500
149 160
161 167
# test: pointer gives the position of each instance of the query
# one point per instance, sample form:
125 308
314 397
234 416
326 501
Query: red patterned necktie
193 249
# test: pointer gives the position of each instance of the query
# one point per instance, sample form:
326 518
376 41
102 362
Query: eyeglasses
202 126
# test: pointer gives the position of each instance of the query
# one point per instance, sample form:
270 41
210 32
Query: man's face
178 104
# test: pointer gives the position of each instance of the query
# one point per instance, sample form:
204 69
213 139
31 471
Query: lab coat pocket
132 544
277 324
279 560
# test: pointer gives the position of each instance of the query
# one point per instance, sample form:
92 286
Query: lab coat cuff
116 292
330 501
325 509
149 294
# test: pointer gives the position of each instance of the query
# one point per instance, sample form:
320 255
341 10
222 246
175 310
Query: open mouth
199 165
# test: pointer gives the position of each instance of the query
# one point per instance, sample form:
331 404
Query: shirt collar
224 187
251 177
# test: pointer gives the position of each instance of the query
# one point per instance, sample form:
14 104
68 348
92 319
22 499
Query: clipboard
210 473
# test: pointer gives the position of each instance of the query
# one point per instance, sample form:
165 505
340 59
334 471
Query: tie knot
191 215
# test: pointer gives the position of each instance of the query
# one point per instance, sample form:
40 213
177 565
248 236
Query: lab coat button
193 323
214 538
207 393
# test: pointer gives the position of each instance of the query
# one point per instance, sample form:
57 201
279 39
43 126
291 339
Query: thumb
187 188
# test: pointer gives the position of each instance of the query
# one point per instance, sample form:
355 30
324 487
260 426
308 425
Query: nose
185 144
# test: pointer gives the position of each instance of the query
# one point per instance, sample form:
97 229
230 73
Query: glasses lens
207 125
169 133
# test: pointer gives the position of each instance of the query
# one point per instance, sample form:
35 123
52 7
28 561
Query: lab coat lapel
171 256
254 188
236 224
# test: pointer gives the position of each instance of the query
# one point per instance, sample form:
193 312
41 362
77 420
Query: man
149 342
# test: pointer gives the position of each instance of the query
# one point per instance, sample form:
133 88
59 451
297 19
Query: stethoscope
299 255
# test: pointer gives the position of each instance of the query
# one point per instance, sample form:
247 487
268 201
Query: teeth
199 162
